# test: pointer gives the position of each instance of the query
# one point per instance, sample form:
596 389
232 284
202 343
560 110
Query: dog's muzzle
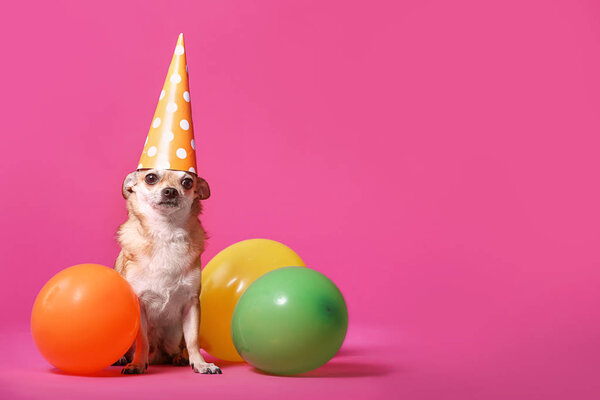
169 197
169 193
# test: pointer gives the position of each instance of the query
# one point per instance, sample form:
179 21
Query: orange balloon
85 318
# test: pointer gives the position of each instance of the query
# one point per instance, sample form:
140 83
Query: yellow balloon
224 280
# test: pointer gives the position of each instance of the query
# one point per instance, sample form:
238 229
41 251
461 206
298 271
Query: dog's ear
202 188
129 183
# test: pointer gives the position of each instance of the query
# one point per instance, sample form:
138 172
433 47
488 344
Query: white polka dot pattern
163 165
181 153
175 78
170 141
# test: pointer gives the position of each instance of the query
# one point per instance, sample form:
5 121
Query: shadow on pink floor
336 368
359 369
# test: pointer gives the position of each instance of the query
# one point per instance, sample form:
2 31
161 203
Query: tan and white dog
161 244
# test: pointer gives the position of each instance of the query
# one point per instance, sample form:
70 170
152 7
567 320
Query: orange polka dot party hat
170 141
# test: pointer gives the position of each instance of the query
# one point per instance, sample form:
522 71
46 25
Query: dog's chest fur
164 276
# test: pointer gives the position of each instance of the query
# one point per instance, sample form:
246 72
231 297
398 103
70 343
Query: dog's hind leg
127 358
181 359
173 344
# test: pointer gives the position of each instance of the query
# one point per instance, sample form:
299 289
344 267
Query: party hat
170 141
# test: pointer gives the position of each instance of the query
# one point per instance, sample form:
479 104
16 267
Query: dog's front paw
134 369
206 368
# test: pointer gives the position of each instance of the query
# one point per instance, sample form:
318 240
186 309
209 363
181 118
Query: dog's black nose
169 193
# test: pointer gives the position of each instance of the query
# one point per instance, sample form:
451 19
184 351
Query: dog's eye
151 179
187 183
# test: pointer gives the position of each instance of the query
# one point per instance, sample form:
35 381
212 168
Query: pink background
437 160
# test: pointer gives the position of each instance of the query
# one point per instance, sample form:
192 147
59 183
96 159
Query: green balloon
289 321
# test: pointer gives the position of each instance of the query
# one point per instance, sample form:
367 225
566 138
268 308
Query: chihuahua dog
161 244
